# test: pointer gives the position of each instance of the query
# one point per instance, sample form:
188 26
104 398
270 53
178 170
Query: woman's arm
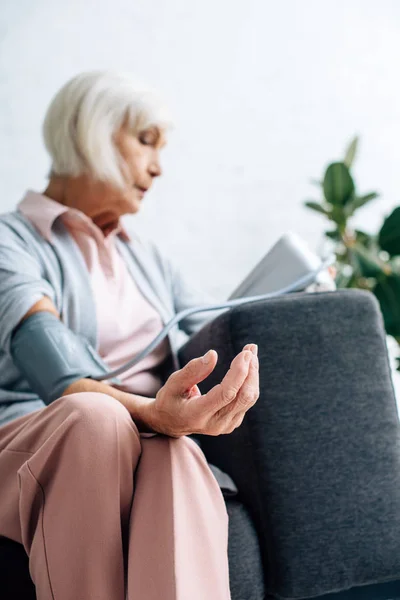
138 406
179 408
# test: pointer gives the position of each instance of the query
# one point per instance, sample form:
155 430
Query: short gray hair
85 114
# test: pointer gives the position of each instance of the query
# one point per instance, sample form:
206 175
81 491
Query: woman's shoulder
10 226
144 241
16 230
7 220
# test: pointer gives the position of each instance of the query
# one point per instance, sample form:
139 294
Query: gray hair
85 114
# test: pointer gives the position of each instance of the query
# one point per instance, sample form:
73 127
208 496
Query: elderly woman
99 479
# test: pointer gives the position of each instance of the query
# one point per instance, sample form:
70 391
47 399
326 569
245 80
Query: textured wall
264 93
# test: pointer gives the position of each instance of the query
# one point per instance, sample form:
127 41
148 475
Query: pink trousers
107 514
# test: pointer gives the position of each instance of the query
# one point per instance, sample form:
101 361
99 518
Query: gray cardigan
31 267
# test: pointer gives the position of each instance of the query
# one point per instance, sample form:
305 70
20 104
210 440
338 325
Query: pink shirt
126 322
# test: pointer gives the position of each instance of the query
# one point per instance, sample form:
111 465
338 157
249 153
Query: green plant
367 261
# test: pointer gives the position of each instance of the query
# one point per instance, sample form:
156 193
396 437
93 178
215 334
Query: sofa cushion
317 459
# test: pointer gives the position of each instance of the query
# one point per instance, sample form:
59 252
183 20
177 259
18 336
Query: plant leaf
387 292
389 235
366 239
359 201
351 152
338 215
338 184
368 264
316 182
333 235
317 207
344 281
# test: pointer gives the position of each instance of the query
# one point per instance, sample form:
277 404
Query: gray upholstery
317 459
246 578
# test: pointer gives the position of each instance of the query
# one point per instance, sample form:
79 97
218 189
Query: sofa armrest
317 459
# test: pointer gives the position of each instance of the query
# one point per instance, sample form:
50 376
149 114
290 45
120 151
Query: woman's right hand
180 409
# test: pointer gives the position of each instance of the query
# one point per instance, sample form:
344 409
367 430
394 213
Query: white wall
264 94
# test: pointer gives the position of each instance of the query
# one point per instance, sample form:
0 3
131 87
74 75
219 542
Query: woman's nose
155 169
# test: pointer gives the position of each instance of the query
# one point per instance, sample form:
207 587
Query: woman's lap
60 444
243 545
13 410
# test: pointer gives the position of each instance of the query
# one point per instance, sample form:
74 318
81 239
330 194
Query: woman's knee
193 447
186 448
97 412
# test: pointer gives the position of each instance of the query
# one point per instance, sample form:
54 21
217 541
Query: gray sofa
316 460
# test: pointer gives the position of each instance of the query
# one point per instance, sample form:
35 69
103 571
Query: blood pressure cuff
52 357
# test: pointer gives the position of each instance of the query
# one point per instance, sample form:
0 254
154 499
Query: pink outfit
126 322
105 512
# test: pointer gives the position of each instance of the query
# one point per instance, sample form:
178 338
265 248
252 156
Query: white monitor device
288 260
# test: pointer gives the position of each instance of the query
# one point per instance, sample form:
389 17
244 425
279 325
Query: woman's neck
77 193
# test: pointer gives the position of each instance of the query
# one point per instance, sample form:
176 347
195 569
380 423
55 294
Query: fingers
234 423
183 382
226 391
246 397
250 390
193 392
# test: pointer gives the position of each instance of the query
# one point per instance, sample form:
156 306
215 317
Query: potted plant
366 261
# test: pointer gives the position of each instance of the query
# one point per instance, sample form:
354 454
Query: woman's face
141 154
103 202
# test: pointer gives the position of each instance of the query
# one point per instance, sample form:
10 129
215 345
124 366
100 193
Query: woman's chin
136 206
133 205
